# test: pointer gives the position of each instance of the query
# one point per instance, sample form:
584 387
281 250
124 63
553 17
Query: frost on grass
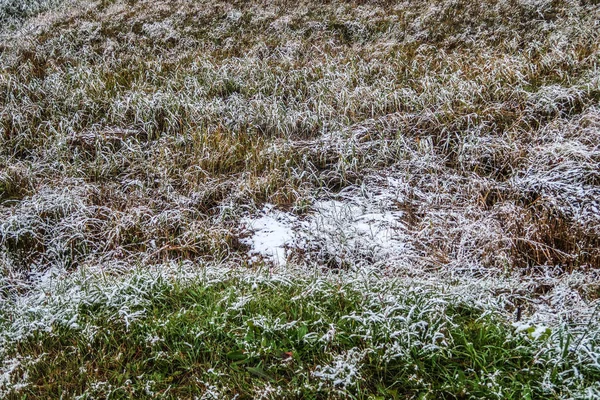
344 371
387 322
14 12
451 144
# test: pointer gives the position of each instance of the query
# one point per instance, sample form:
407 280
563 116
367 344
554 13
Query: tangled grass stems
458 139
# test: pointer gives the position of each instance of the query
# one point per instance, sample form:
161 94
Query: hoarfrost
344 371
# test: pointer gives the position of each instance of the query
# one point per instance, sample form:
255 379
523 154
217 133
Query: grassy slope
136 133
140 112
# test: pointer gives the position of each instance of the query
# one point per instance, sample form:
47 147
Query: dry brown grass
168 121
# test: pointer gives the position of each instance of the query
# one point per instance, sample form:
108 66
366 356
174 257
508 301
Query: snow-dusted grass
174 331
14 12
447 145
180 118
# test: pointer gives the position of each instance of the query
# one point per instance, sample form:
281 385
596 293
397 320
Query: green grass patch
283 338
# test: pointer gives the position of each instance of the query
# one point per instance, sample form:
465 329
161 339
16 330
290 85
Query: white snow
355 226
359 223
271 232
539 331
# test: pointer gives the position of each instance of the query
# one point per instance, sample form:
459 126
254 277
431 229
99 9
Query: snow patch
272 231
360 223
353 228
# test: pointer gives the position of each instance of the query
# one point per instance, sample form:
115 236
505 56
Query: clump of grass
14 12
16 182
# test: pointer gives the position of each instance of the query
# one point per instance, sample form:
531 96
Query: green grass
150 336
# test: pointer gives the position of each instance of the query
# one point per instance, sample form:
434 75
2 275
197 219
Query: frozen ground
364 229
444 148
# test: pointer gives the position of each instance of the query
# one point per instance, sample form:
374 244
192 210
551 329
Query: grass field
246 199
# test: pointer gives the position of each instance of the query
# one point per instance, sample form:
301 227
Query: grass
13 12
235 105
252 335
444 144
